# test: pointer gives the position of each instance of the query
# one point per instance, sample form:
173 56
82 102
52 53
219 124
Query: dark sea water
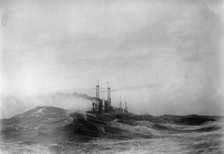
171 138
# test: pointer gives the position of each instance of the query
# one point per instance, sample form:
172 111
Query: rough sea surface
54 131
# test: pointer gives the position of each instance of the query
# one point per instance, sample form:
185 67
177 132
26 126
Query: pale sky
163 57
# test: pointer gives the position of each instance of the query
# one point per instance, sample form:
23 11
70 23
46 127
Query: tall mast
126 106
108 93
98 89
120 103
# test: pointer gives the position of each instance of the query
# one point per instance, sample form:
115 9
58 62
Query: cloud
62 46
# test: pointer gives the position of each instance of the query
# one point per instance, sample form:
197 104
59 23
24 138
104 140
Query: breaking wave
54 130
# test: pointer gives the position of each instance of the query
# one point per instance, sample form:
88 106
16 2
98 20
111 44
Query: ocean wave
54 130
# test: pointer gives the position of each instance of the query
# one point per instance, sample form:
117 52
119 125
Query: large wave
50 129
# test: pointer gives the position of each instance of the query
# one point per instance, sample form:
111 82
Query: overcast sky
163 57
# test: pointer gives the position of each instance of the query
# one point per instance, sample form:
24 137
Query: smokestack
108 93
98 89
120 103
126 107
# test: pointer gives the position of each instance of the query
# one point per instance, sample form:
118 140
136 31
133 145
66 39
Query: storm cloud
164 55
